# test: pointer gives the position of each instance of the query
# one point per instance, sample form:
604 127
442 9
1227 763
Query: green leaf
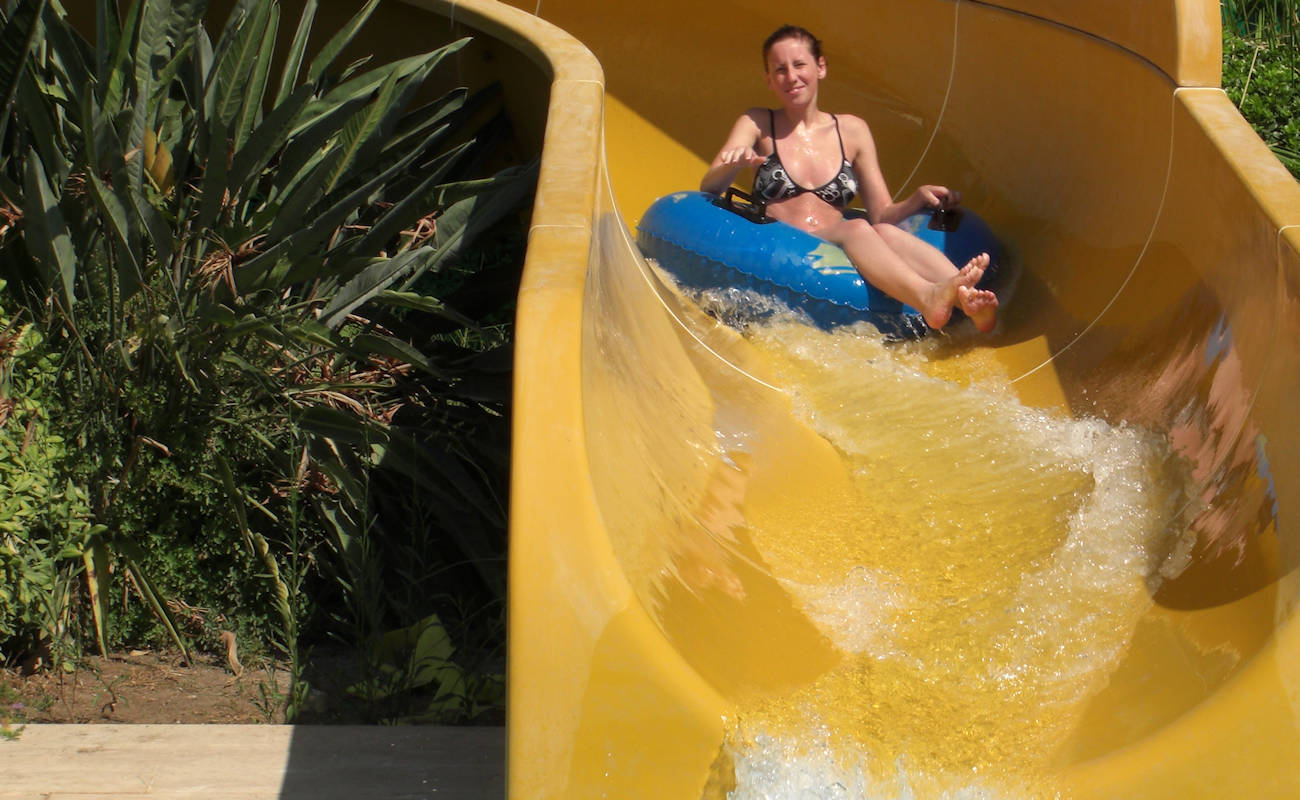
267 138
108 32
98 579
168 73
319 228
341 426
424 303
245 327
326 55
114 79
236 499
47 232
17 39
67 53
133 557
238 15
373 344
309 331
442 115
212 191
364 85
39 115
438 473
251 107
293 211
234 66
307 147
159 231
293 61
150 46
465 219
358 132
381 274
392 108
183 18
413 657
130 274
413 205
197 90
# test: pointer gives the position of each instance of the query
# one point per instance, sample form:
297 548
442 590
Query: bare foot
945 294
970 274
980 305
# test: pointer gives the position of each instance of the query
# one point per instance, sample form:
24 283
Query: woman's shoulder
856 134
853 124
755 119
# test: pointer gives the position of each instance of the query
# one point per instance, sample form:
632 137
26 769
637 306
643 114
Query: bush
43 519
1261 72
244 376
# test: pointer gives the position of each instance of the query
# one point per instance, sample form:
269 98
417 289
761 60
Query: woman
800 146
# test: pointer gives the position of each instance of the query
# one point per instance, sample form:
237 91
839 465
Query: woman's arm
861 147
736 154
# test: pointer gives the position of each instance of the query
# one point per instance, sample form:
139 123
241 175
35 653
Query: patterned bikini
772 183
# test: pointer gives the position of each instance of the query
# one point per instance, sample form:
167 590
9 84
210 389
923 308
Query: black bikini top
772 183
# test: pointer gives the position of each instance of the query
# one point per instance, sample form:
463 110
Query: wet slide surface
1054 561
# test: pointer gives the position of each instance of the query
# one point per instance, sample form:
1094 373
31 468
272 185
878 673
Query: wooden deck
252 762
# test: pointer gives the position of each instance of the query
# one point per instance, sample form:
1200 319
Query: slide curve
664 638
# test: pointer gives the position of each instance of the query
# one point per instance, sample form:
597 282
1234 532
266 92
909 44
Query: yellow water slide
780 564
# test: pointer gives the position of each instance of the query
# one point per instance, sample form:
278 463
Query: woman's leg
928 260
887 269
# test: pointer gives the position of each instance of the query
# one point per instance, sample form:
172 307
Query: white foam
771 768
854 613
1053 635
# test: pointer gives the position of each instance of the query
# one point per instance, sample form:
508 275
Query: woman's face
793 72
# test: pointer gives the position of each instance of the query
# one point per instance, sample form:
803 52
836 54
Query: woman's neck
801 116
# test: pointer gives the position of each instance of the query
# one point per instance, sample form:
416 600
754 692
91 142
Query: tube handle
753 209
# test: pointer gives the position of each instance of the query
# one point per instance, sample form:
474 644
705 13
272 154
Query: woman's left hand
938 197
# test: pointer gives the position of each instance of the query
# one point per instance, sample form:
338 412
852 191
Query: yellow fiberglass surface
1057 561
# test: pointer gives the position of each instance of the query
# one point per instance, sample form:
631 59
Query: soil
144 686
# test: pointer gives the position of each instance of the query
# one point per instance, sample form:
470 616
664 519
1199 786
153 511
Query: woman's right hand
736 154
725 167
741 156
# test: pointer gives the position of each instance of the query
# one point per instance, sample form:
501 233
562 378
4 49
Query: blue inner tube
709 242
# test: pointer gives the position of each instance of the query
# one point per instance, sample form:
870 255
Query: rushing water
982 578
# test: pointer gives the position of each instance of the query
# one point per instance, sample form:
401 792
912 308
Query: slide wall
1160 247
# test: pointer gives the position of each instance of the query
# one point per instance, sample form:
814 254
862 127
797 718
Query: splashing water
982 578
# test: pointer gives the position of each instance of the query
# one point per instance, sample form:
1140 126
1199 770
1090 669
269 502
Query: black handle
754 209
945 219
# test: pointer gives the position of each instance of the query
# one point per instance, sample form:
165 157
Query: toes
979 262
980 306
969 275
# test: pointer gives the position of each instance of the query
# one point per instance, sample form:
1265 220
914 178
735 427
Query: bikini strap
843 156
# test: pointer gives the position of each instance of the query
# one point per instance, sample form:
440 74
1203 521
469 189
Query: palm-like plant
229 263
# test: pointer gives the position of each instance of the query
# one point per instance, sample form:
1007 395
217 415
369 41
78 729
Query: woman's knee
888 231
856 229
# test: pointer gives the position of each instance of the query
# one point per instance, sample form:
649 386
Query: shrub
1261 71
226 271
